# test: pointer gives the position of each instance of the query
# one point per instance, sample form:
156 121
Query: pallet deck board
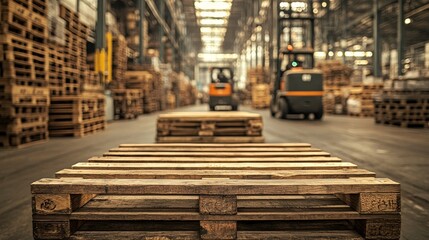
214 166
221 154
155 149
207 186
130 159
216 145
199 174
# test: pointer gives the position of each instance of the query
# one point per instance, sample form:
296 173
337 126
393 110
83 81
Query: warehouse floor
396 153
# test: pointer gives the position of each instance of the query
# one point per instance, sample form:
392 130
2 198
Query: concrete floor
397 153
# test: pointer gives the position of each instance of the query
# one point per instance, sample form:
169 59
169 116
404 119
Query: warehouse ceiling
213 24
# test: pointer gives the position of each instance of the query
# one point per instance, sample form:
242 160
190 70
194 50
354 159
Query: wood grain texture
216 186
212 230
199 174
218 205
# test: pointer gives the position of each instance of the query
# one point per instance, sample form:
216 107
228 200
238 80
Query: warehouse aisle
397 153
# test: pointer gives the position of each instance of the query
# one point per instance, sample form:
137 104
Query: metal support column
377 40
400 37
161 9
77 6
100 39
142 10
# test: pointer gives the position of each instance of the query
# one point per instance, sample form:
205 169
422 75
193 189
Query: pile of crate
128 103
404 103
219 127
216 191
77 100
261 96
337 79
24 95
361 100
150 82
255 76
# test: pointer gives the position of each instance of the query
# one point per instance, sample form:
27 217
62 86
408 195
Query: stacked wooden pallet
404 103
77 107
127 103
361 100
219 127
216 191
261 96
337 79
76 116
149 81
119 66
24 96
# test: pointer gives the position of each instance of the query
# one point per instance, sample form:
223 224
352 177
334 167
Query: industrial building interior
80 77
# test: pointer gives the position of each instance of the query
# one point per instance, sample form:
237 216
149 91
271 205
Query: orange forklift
221 89
298 87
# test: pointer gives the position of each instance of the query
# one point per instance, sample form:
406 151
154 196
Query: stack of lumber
77 100
76 116
404 103
216 191
337 80
361 100
24 93
203 127
261 96
255 77
127 103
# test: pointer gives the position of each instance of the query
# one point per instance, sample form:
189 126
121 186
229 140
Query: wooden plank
204 116
216 145
217 186
214 166
135 235
216 139
199 174
181 215
188 149
220 154
300 235
211 159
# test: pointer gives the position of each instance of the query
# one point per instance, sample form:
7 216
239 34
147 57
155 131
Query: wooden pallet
210 126
404 110
180 191
76 115
127 103
24 135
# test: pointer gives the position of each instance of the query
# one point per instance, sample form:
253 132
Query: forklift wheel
282 109
318 115
212 108
306 116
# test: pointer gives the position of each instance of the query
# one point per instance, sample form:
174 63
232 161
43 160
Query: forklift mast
292 15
